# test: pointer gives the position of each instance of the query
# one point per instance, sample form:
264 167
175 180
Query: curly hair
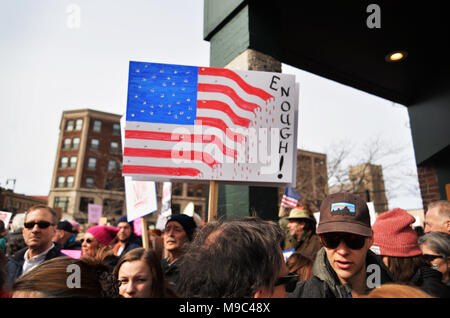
232 259
51 279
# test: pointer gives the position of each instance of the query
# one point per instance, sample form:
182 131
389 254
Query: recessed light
396 56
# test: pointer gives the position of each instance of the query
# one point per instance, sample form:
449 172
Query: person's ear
447 225
370 241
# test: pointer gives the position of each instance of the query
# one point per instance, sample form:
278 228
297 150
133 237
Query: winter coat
171 274
133 242
325 284
429 280
16 261
309 244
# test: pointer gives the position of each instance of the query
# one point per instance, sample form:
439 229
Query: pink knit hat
394 236
104 234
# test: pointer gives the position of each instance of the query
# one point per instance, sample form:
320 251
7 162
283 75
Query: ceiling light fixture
396 56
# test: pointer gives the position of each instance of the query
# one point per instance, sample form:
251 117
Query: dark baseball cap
344 212
65 225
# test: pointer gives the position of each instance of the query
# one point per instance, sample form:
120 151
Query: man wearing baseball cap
344 266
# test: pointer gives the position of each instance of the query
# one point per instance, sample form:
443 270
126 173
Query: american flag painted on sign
168 103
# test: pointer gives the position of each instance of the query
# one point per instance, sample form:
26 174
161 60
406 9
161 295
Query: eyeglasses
430 257
353 241
41 224
289 281
89 241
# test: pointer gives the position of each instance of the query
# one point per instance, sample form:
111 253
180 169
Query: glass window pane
94 144
89 182
111 165
60 182
92 163
66 144
73 162
69 126
63 162
75 143
97 125
69 183
114 147
78 124
116 129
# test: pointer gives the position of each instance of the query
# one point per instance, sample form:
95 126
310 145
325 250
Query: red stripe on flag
223 107
175 137
217 123
167 154
215 88
235 77
171 171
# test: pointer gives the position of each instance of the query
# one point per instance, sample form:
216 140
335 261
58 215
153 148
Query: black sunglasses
89 241
41 224
430 257
289 281
353 241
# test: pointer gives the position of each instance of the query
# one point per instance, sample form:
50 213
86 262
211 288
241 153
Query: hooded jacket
325 284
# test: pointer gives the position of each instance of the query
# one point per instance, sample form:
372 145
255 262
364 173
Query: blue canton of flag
162 93
290 198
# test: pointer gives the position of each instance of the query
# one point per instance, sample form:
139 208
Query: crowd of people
341 256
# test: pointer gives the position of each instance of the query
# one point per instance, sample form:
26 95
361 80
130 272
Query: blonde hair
397 291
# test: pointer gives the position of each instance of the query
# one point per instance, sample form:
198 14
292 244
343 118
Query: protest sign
94 213
202 123
5 217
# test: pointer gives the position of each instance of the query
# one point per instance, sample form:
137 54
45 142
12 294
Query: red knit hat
104 234
394 236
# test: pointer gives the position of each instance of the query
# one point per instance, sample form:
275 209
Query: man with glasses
344 267
38 231
238 258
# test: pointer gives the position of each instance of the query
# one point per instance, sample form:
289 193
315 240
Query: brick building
18 203
88 165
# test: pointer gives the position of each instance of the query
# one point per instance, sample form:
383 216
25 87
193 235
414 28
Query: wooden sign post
145 241
212 202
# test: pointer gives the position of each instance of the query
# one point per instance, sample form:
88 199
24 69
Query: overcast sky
50 62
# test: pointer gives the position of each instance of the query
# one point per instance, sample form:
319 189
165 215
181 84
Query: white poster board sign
5 217
203 123
141 198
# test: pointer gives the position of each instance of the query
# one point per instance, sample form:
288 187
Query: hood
323 270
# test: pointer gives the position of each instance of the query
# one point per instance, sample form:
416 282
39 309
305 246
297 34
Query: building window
176 208
73 162
116 129
114 147
75 143
177 189
89 182
66 144
111 165
69 125
97 126
61 202
70 181
78 124
60 182
63 162
94 144
92 163
84 203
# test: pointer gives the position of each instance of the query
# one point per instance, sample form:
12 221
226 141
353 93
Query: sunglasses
353 241
430 257
89 241
289 281
41 224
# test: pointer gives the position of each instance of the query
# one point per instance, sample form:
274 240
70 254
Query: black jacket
326 284
171 274
430 281
16 261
